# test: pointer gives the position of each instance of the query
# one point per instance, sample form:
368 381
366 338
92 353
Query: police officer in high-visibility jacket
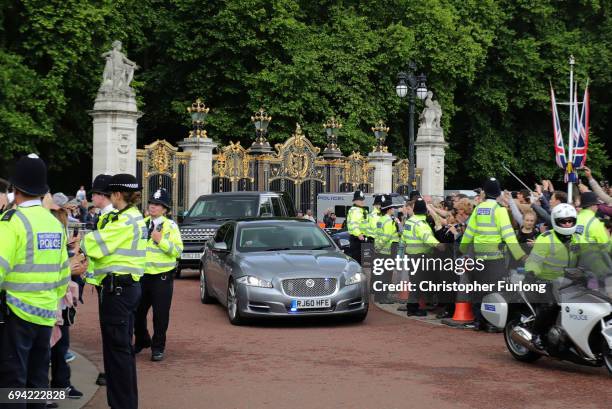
588 227
163 248
119 253
488 228
34 275
387 233
100 197
356 223
592 235
417 240
373 217
552 252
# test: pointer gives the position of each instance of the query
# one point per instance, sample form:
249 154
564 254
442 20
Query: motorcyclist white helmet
561 216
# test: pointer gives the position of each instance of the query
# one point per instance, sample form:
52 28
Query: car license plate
310 303
190 256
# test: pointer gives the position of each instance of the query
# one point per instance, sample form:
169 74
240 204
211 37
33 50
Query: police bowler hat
124 182
30 176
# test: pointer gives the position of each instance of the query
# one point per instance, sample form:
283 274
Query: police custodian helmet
162 197
358 195
30 176
100 184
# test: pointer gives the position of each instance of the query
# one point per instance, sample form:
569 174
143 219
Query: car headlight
254 281
355 279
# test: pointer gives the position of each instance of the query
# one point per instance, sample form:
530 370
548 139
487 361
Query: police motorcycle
582 332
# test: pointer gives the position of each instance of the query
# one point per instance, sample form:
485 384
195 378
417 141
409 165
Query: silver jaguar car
279 267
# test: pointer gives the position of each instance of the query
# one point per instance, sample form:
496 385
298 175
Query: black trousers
355 248
157 293
385 278
60 370
117 321
24 357
493 271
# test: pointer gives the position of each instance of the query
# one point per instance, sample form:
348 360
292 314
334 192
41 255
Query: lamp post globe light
331 127
411 85
380 132
198 112
261 120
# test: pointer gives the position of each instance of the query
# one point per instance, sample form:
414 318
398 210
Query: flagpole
570 157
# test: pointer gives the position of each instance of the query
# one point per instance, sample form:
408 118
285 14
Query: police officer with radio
356 223
34 275
119 253
418 240
387 233
163 248
100 197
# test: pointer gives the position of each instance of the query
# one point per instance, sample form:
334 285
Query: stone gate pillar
383 171
200 166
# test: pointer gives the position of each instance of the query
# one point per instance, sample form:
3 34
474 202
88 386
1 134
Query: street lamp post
411 85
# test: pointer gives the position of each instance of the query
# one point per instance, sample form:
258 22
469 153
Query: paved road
386 362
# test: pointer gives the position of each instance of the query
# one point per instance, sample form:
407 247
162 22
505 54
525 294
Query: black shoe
101 380
140 347
73 393
443 314
417 313
51 405
492 329
474 325
157 356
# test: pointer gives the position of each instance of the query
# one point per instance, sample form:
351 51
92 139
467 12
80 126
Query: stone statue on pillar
118 71
430 147
115 116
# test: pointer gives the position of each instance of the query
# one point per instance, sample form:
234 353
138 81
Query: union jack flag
559 147
581 131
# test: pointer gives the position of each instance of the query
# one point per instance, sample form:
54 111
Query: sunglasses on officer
566 220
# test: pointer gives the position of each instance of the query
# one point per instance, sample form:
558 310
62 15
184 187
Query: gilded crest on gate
160 159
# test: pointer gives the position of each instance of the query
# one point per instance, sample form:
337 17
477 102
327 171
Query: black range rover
210 211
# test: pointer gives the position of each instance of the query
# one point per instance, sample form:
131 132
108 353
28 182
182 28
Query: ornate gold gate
297 169
357 174
401 172
161 165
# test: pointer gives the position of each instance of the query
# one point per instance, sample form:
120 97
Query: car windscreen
224 207
271 237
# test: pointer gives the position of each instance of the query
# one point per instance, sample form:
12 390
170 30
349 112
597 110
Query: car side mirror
181 216
220 247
